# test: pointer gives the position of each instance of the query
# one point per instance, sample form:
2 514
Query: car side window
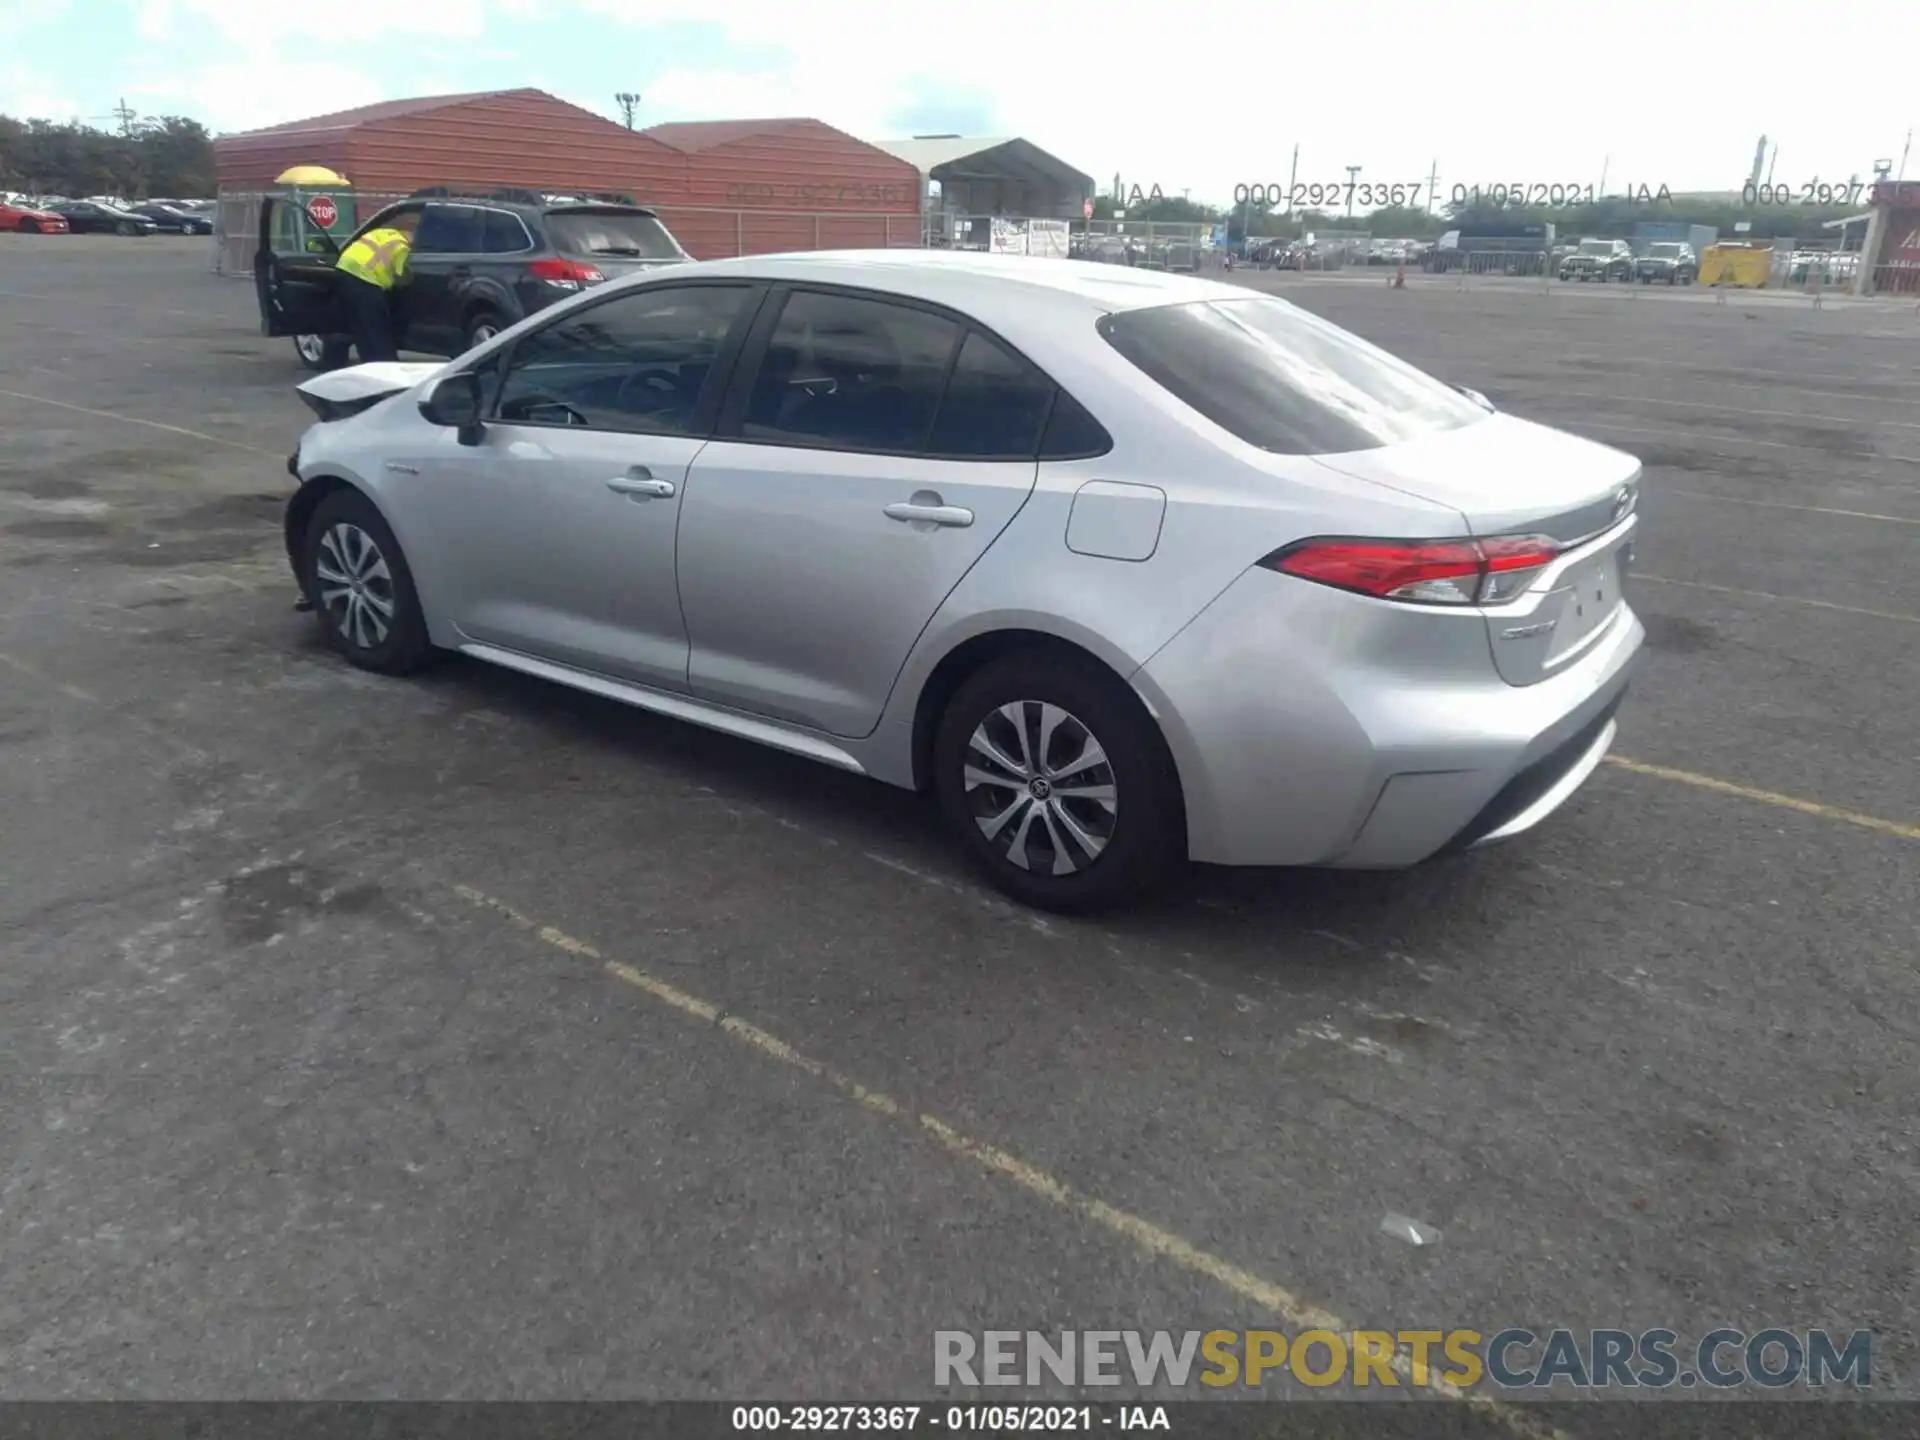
504 234
995 405
1072 432
450 230
639 363
847 373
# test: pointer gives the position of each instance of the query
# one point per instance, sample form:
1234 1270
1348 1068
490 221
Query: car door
446 247
555 537
849 487
293 274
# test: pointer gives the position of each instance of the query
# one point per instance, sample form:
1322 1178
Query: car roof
997 289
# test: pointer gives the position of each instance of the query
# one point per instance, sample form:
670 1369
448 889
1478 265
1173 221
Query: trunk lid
615 267
1508 476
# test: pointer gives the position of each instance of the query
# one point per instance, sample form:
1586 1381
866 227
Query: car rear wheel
1058 785
482 327
321 352
358 583
29 227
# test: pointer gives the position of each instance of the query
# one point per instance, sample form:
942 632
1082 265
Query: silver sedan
1127 569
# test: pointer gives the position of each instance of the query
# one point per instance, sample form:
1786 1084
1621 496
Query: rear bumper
1309 728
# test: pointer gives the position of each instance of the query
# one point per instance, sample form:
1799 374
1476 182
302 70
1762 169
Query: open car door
293 273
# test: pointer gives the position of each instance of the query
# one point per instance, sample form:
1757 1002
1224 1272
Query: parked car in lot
92 217
1125 569
27 218
1601 260
174 219
481 261
1669 262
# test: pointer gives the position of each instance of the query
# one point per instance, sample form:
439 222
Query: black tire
1144 836
29 227
333 547
482 326
126 227
331 353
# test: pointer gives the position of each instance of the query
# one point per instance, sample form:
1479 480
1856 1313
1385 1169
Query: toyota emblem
1622 502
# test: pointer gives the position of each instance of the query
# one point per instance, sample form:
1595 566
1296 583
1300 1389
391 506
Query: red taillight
568 273
1421 572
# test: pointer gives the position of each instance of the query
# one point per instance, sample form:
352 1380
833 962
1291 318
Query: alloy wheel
312 348
1041 788
355 585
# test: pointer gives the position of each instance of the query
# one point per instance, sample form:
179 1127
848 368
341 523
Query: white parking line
135 420
1783 505
1782 599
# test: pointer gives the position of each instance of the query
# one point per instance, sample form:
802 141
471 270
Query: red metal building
496 137
756 186
724 187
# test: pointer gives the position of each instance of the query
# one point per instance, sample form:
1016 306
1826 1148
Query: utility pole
1605 160
1433 188
1292 176
629 102
1903 157
126 115
1353 174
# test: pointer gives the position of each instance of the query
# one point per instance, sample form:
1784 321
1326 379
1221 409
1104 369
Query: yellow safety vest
378 257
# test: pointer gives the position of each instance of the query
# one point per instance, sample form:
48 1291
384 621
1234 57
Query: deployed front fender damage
340 393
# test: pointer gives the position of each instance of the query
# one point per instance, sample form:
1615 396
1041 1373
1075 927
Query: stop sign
323 211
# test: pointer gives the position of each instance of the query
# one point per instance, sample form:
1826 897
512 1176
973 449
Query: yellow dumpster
1741 267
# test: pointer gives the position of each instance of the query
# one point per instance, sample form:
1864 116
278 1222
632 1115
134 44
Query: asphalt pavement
468 1037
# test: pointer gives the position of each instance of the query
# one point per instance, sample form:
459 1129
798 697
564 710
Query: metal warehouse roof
372 114
999 157
693 136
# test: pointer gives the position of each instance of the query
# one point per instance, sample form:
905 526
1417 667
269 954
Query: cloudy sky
1188 97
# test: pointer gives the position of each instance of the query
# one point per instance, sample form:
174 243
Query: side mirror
1476 397
454 401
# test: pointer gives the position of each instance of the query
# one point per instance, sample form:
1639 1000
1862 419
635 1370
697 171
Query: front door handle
639 484
907 512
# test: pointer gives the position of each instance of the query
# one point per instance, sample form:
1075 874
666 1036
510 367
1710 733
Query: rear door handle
907 512
639 484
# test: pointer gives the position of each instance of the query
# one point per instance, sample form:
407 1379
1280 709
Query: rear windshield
1285 380
618 233
1666 252
1596 247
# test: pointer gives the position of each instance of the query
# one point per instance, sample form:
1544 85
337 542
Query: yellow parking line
1767 797
1143 1234
1783 599
135 420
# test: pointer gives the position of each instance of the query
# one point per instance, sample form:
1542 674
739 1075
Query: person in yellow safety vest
369 270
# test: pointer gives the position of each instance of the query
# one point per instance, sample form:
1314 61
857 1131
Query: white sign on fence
1048 238
1028 237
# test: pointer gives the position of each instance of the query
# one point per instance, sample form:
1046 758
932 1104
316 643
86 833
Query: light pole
1353 173
629 102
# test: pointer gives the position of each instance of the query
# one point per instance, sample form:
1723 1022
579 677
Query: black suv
481 261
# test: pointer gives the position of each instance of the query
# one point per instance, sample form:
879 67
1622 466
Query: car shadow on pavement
1358 914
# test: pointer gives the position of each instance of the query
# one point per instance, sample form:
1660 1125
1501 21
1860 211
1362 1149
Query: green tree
166 155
